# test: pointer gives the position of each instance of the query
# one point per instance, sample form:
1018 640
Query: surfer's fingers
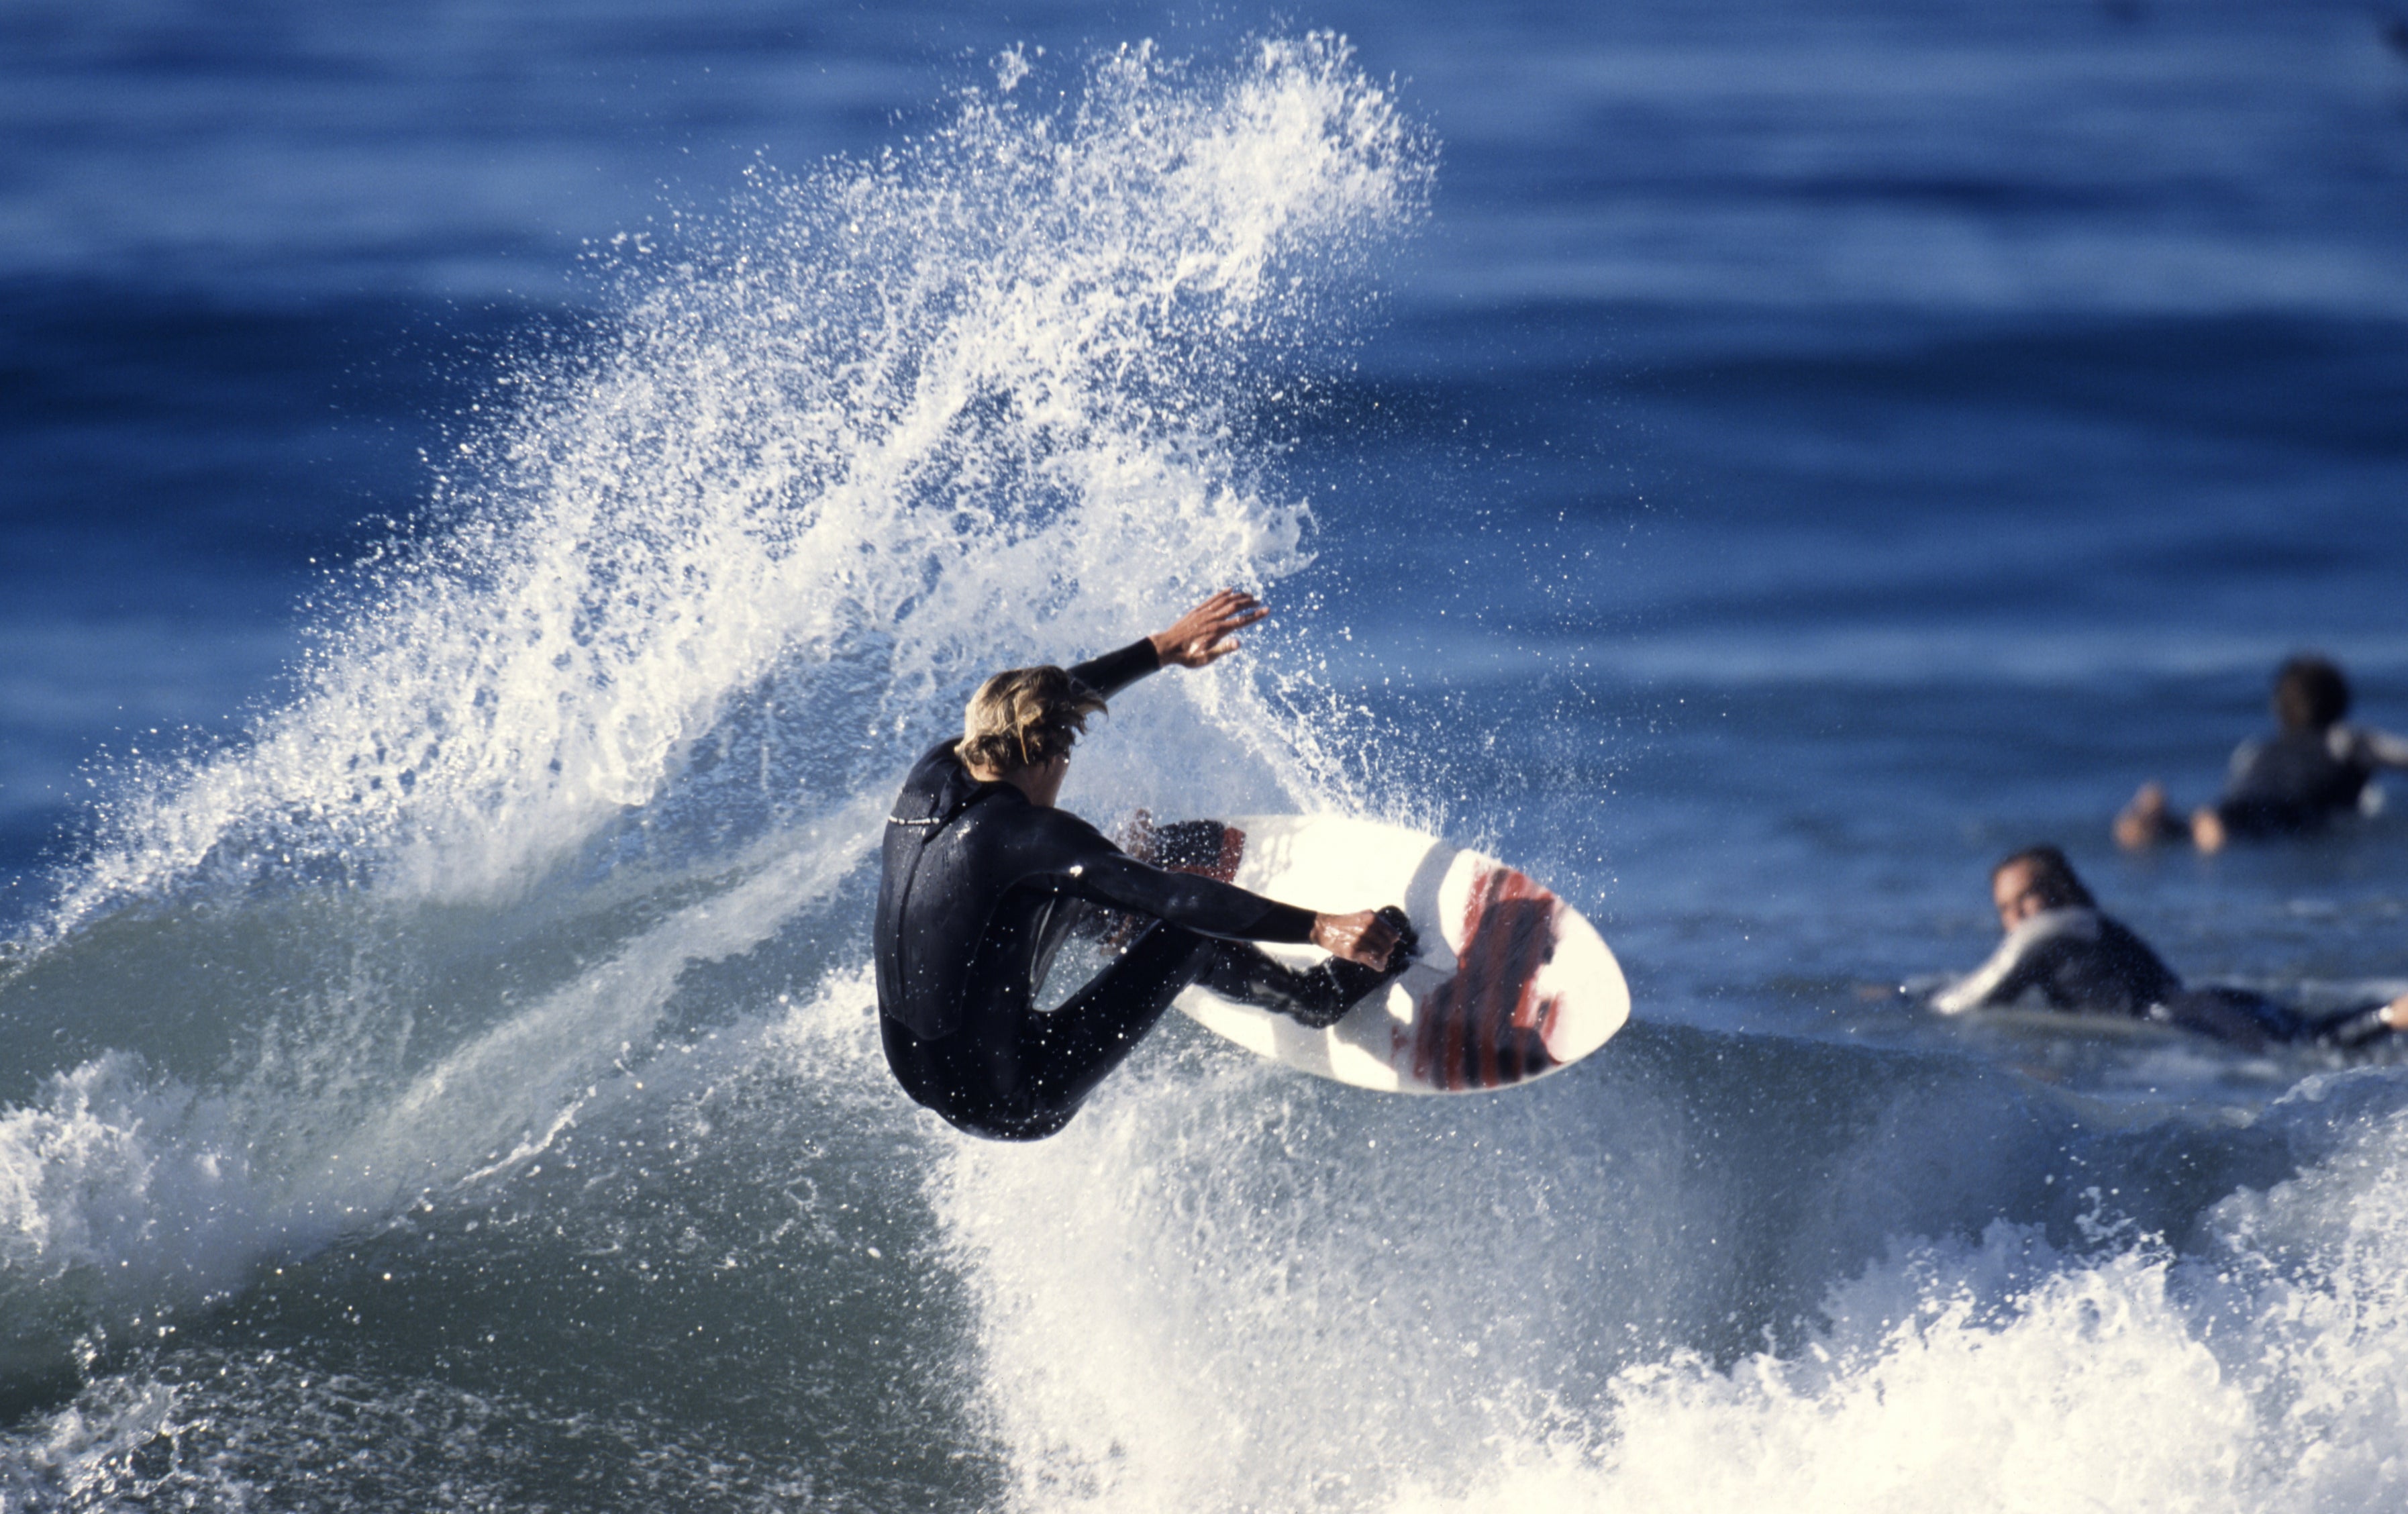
1377 943
1219 632
1226 611
1361 938
1212 636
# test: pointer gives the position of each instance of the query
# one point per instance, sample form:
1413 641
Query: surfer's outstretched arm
1208 633
1199 638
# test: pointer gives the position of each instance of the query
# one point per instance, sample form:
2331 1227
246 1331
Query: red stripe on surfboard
1233 851
1205 848
1438 1059
1486 1026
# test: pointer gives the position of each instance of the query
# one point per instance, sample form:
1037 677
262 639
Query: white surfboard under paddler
1511 985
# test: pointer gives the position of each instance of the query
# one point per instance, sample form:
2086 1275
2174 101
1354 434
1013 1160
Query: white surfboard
1511 983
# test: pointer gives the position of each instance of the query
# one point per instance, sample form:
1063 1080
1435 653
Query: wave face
463 1091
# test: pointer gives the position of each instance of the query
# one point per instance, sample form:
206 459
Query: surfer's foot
2367 1026
2147 820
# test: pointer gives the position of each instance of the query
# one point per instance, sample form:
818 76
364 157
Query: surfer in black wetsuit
984 878
2312 769
2063 951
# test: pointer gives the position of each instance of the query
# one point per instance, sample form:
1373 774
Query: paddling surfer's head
1020 726
2034 879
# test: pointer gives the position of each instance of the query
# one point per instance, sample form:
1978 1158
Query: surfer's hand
1207 633
1362 936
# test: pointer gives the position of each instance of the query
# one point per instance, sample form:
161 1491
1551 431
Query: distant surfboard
1511 983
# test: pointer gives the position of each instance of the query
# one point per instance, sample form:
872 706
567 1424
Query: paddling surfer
2062 949
984 876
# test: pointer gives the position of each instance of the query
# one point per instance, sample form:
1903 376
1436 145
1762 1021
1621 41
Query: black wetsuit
980 889
2298 780
2078 960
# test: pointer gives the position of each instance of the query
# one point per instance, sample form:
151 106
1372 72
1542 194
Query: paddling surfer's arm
2017 966
2378 749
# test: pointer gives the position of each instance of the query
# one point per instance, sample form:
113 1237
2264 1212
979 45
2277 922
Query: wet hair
1025 718
2310 694
2052 877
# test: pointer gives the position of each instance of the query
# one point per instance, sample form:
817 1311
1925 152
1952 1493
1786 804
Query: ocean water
495 495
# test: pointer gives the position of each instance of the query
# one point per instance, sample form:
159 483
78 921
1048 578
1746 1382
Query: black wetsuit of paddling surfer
980 887
2079 961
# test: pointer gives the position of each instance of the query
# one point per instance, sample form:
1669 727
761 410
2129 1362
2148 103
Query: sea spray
979 398
592 766
2255 1366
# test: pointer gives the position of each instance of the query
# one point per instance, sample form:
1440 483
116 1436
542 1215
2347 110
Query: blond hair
1025 717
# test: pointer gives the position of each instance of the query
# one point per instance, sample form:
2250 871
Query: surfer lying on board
2062 950
2314 768
984 878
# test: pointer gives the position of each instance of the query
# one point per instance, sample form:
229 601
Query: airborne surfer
984 877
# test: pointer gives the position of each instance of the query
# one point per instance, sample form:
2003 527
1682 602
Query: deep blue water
471 565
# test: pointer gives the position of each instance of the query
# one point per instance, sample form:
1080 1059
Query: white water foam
2260 1368
1273 1308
